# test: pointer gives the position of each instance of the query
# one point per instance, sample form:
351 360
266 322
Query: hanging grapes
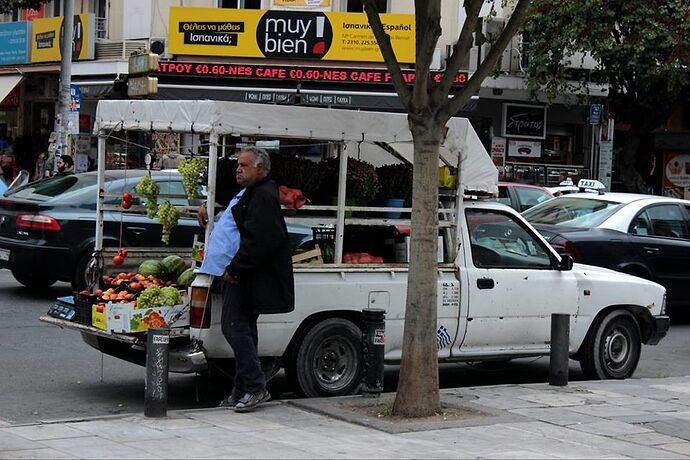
149 189
191 170
168 215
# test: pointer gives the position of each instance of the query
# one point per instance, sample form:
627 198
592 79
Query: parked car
47 228
643 235
522 196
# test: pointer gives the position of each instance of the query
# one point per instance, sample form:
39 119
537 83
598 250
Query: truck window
499 241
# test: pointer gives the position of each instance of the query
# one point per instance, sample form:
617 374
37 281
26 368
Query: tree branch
472 8
384 42
452 106
428 31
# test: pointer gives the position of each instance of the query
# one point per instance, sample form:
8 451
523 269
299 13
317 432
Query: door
513 287
659 234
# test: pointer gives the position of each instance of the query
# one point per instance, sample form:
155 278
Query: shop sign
524 121
14 42
297 73
524 149
281 34
498 152
677 174
46 38
29 14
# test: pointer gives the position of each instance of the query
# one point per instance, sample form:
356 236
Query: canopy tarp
289 121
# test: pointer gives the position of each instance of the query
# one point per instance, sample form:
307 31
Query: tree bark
418 393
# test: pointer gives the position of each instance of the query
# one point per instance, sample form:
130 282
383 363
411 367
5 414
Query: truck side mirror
566 263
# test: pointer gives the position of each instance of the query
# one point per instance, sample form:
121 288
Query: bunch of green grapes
191 170
149 189
170 296
168 216
150 297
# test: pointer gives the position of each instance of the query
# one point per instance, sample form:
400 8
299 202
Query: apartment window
245 4
355 6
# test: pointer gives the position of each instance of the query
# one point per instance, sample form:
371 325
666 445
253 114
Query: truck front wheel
328 359
612 347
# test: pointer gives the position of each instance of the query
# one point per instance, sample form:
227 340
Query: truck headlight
663 305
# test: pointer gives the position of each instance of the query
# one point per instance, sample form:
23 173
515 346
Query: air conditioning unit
491 28
159 46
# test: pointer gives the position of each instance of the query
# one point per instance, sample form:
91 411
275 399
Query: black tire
33 281
612 347
327 361
79 278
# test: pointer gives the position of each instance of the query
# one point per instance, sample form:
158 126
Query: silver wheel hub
617 348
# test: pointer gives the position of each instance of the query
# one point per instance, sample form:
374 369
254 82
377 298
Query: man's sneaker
249 401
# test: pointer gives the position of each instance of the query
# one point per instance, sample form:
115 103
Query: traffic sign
142 63
595 113
142 86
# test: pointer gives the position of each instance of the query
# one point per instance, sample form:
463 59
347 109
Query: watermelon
151 267
186 277
173 266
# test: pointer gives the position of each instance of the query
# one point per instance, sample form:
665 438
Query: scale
63 308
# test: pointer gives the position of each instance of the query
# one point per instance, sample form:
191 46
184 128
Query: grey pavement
635 418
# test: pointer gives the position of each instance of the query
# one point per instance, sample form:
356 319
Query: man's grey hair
260 156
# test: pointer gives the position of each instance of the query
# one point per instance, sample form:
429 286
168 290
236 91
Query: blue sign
74 98
15 42
595 113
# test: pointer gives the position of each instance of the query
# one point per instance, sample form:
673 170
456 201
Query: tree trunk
418 393
627 161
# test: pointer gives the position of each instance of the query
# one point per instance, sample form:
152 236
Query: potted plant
361 182
395 186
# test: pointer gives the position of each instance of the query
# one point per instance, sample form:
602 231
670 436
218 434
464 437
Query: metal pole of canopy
211 191
101 191
340 213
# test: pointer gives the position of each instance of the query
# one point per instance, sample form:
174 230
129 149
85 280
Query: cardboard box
98 317
123 317
402 251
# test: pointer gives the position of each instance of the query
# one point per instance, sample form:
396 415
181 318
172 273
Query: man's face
247 173
61 165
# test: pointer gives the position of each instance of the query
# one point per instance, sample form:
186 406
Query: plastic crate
82 307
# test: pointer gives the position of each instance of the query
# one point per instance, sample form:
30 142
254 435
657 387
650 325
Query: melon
151 267
186 277
173 266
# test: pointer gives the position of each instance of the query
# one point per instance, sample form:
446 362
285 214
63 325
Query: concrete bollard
157 363
373 349
559 356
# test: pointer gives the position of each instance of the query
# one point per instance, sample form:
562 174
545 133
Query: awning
7 84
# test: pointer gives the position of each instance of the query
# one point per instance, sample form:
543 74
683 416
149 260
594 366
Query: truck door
513 286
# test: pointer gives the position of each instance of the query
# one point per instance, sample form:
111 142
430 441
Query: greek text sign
45 38
524 121
14 42
286 34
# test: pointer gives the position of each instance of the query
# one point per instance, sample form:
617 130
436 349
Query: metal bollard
373 348
157 360
560 339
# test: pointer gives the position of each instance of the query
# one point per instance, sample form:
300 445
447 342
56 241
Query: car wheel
33 281
81 270
612 347
328 359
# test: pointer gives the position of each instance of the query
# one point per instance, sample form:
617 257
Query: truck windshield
572 212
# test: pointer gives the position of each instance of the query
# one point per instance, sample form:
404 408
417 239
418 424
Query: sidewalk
645 418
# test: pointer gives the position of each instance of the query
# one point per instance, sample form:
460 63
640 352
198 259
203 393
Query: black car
47 228
643 235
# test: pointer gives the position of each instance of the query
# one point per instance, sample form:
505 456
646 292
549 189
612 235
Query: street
51 374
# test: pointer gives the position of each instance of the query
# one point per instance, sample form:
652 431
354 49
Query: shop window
244 4
355 6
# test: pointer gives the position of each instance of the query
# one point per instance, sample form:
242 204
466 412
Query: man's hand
228 278
202 216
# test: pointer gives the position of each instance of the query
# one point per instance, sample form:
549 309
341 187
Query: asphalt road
50 374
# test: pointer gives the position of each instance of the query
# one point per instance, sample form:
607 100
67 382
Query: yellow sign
302 2
45 38
284 34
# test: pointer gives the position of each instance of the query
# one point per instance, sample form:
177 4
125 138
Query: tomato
123 252
127 197
118 260
126 204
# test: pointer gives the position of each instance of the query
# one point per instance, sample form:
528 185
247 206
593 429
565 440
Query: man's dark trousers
238 324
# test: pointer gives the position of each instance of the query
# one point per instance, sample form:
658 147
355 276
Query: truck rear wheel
328 359
612 347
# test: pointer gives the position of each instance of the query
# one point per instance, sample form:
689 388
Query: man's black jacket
263 263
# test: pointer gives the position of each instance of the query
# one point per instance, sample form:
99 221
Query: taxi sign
590 184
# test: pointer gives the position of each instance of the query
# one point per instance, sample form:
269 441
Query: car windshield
572 212
63 187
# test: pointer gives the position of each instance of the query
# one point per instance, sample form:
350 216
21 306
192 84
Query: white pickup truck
498 284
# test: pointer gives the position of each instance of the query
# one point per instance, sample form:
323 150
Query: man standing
258 278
